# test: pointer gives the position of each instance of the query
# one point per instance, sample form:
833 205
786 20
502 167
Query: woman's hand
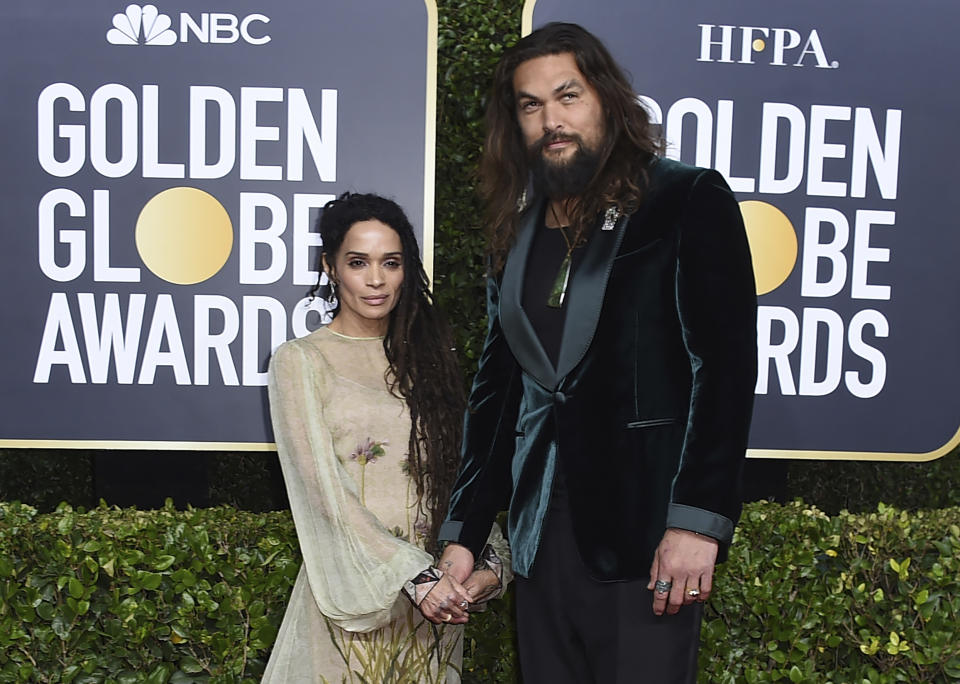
447 602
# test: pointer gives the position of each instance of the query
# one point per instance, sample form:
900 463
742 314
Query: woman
367 417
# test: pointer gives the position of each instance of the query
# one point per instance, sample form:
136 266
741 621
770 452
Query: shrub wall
116 595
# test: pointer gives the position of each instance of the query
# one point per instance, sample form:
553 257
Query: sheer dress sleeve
355 566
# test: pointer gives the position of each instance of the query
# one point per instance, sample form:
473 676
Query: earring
331 294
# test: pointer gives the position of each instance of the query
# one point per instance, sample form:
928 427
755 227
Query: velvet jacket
648 409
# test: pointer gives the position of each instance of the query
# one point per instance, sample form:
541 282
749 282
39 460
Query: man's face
559 112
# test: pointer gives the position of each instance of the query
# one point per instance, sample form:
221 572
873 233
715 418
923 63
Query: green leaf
61 626
159 675
164 562
45 610
190 665
952 668
75 587
180 678
65 524
151 580
795 674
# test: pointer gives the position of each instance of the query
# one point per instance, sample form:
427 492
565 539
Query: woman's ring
446 618
463 604
694 593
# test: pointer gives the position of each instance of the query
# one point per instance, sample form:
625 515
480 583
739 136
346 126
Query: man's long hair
629 142
423 368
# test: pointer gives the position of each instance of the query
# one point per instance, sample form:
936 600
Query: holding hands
446 592
446 601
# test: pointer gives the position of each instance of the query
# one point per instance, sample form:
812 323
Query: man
611 407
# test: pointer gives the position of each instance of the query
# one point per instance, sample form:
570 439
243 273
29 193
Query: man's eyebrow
566 85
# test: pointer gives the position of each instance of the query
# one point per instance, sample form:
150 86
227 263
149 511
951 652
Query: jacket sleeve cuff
700 521
450 531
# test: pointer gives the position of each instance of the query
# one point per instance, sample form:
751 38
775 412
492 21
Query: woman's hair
423 368
629 144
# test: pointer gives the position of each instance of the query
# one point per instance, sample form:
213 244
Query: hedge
115 595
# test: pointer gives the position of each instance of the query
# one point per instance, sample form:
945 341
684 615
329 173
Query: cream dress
342 439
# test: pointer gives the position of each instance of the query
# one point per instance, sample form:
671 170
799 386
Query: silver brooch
610 218
522 201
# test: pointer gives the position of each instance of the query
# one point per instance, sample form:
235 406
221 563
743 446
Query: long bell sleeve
355 565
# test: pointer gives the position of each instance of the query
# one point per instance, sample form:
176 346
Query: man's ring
662 586
463 604
694 593
446 618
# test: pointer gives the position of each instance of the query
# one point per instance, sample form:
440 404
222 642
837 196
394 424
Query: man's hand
481 585
685 560
458 561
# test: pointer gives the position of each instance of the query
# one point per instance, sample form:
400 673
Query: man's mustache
550 138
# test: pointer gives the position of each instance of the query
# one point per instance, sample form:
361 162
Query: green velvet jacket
648 410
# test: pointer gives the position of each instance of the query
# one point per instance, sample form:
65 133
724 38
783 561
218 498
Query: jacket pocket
650 422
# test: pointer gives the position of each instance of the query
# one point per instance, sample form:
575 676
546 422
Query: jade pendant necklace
559 290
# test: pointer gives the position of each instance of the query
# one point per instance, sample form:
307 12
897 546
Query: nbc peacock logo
145 25
141 26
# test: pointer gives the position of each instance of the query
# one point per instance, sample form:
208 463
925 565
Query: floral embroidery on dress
409 650
367 451
421 528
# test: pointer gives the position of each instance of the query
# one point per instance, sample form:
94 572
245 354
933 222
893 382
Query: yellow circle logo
758 45
773 244
184 235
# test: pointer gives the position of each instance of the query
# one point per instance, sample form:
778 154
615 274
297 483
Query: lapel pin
522 201
610 218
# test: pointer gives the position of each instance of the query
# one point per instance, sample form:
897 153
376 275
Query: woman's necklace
559 290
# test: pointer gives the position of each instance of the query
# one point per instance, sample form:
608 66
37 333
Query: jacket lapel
520 335
588 285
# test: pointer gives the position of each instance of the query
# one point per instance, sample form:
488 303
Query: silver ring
463 604
693 592
662 586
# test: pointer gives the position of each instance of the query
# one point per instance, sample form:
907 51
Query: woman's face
368 271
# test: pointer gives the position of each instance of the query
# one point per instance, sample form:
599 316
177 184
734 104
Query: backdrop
163 167
835 125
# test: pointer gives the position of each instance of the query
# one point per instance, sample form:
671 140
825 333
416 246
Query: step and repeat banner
163 166
836 127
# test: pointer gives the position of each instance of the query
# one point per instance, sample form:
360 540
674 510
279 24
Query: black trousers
572 628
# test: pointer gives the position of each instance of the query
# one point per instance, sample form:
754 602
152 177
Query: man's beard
565 178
